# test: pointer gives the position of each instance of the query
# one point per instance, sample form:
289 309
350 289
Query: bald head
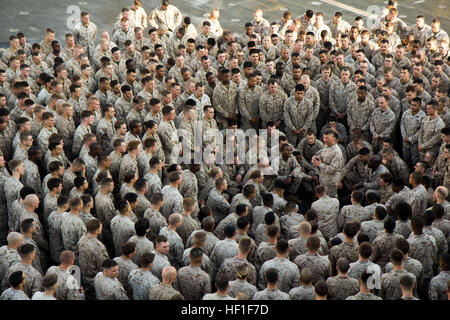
169 274
175 219
14 239
31 201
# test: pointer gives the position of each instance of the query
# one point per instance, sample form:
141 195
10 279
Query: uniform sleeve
287 117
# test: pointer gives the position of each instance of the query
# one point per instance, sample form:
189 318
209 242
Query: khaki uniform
340 288
225 102
288 274
107 288
297 115
141 281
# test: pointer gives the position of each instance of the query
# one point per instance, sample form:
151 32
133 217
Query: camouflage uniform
107 288
122 108
258 214
159 262
390 284
72 230
34 278
338 96
288 221
353 212
319 265
142 205
141 281
143 245
429 135
271 294
156 221
188 226
418 200
297 247
381 123
438 286
173 201
358 115
208 247
248 101
265 252
302 293
382 247
223 249
206 262
189 188
327 210
307 150
372 228
78 138
395 198
343 250
162 292
169 139
8 257
332 164
176 246
271 106
238 285
358 267
364 296
91 254
125 267
105 132
128 163
11 188
218 204
13 294
288 274
297 115
410 128
41 295
441 241
105 210
443 225
341 288
192 282
229 266
225 102
64 290
122 229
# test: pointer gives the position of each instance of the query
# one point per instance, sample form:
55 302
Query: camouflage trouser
351 179
3 225
294 138
410 154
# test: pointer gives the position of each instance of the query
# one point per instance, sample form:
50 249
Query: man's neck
348 239
49 292
16 175
28 235
407 294
92 235
398 267
64 267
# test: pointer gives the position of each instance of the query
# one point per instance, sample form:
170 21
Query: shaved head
169 273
